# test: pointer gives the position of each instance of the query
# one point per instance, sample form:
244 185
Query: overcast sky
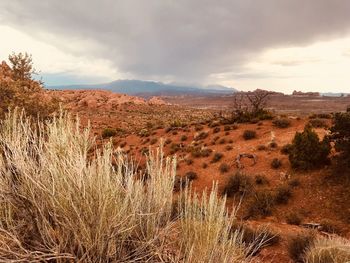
278 45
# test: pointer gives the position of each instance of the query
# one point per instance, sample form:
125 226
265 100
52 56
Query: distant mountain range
148 89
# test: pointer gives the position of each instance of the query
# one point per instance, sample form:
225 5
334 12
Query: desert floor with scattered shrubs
62 202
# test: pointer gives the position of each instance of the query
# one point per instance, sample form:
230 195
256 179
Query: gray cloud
182 40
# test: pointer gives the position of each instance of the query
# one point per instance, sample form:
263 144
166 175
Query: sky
280 45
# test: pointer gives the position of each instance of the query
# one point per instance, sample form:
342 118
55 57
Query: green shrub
318 123
281 123
307 151
108 132
340 135
249 134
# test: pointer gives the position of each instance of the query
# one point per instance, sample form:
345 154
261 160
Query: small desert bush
238 183
307 151
191 175
60 204
293 218
329 226
294 182
153 141
228 147
217 157
286 149
197 152
276 163
261 180
201 136
328 250
281 123
262 204
249 134
216 129
261 147
224 168
183 138
318 123
222 141
298 245
283 194
108 132
261 235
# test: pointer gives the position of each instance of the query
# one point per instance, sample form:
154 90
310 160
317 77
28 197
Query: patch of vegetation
307 151
258 238
329 226
261 180
228 147
144 133
273 145
189 161
201 136
318 123
294 182
262 204
153 141
249 134
198 127
286 149
283 194
222 141
276 163
191 175
298 246
321 116
281 123
108 132
224 168
261 147
328 250
340 135
183 138
293 218
198 151
216 129
238 183
204 165
217 157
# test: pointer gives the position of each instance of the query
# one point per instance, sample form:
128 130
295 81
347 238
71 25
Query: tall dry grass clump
63 200
328 250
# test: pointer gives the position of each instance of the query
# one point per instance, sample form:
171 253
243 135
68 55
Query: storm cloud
183 40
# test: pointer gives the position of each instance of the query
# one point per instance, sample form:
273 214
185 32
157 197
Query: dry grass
61 200
328 250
